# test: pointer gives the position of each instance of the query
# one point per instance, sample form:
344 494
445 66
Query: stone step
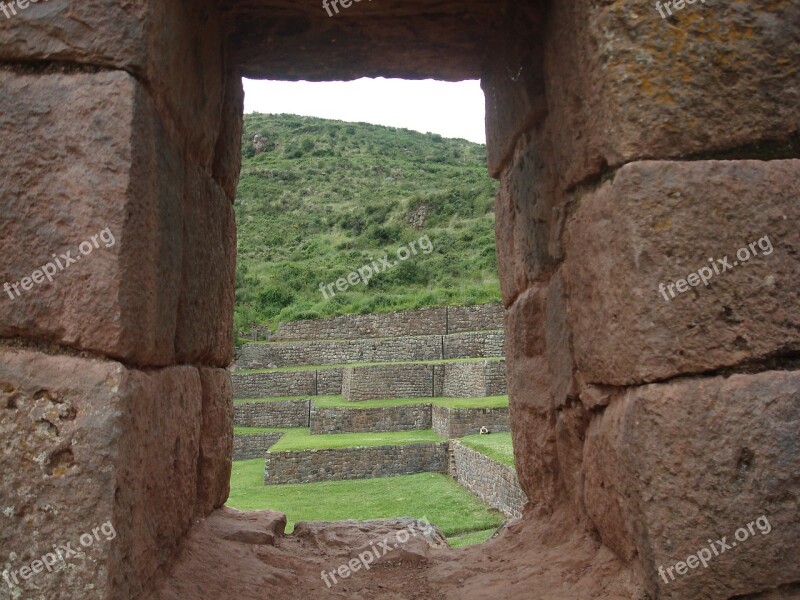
471 344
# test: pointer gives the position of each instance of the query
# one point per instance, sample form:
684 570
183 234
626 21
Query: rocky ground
242 556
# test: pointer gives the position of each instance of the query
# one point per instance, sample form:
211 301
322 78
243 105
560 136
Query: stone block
216 441
528 380
205 310
176 48
228 152
107 158
86 442
628 68
658 222
670 466
513 84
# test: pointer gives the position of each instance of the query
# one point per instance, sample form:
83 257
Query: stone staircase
439 369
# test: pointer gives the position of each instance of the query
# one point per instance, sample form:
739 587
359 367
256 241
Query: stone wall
609 382
329 382
333 352
388 381
451 380
253 445
287 383
481 317
474 379
286 413
491 481
424 321
458 422
306 466
366 420
473 344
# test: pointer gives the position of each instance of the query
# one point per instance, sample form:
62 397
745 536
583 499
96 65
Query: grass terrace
495 445
431 495
301 439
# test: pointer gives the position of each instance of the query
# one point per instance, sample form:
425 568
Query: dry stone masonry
492 481
288 413
307 466
627 147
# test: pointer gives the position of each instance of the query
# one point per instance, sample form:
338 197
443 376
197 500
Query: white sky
450 109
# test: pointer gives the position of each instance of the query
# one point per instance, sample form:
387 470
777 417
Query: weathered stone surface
86 442
173 47
121 299
673 465
228 153
535 453
526 366
513 83
205 310
560 361
657 222
216 440
282 39
694 73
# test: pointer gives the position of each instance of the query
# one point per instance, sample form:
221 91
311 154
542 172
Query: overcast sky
450 109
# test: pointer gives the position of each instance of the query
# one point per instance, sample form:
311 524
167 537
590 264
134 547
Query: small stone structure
493 482
306 466
458 422
253 445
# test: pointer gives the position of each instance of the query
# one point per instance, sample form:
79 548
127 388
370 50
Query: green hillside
320 199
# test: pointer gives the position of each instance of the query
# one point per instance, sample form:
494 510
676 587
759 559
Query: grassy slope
328 197
431 495
495 445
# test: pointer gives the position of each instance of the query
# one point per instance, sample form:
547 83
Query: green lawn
495 445
340 402
431 495
367 364
301 439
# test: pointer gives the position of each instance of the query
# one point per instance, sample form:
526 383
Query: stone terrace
369 374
